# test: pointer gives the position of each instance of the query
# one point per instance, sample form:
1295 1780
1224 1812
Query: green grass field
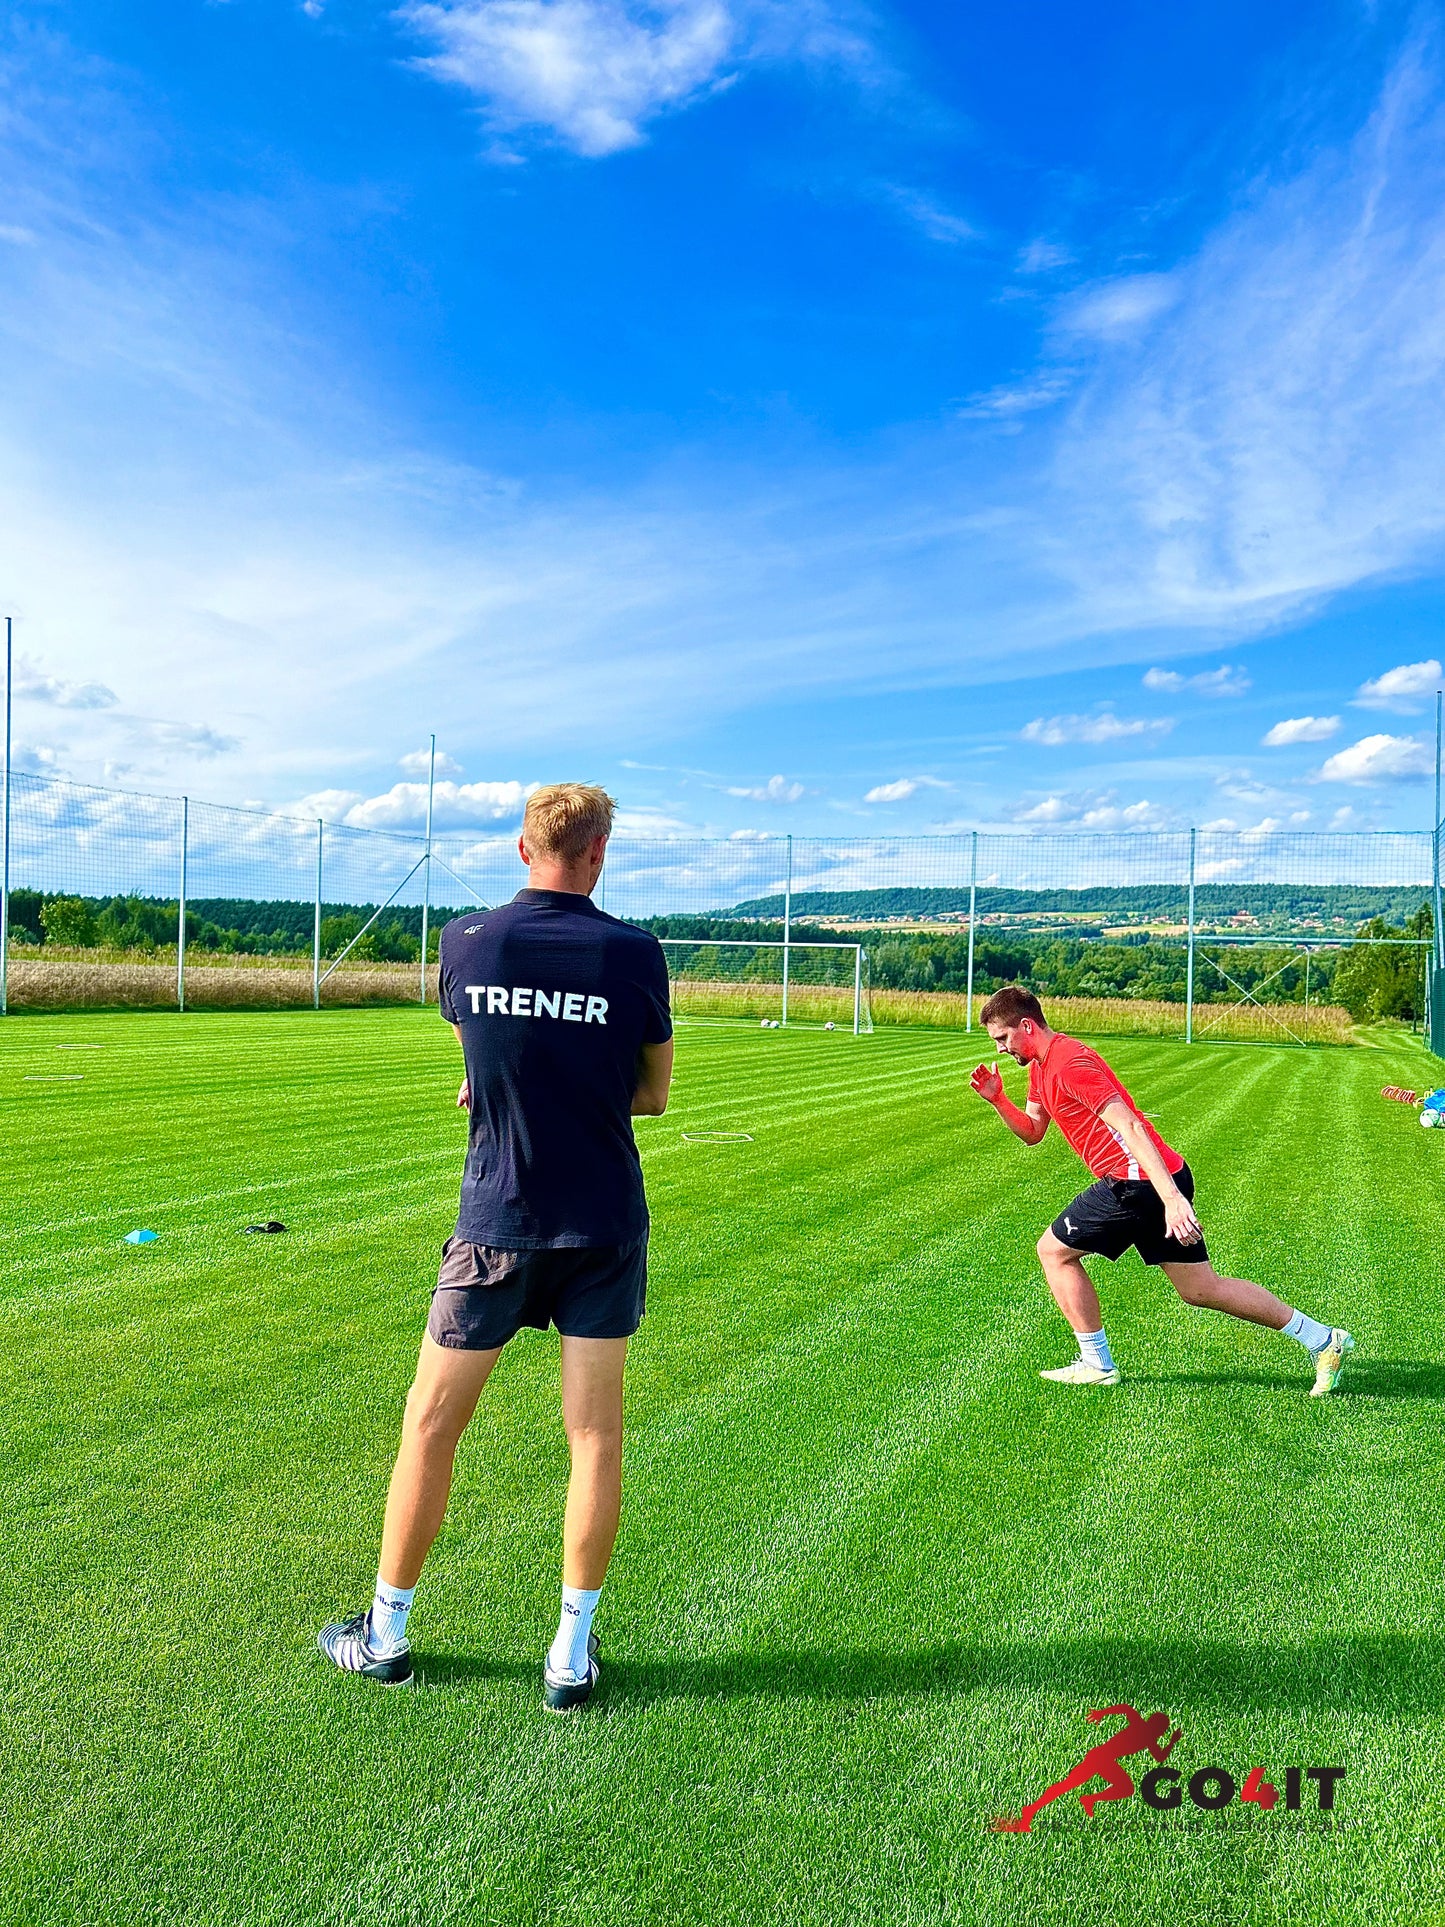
872 1570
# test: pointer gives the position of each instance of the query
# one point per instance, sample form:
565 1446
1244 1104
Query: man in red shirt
1143 1196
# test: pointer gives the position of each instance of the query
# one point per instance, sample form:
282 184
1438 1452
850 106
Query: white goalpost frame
858 951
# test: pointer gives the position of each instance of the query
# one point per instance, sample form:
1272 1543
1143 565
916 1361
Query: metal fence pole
1438 933
1189 973
857 989
181 906
787 926
972 921
431 782
5 841
316 927
1307 996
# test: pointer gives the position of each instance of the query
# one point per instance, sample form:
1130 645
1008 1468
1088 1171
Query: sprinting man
1143 1195
1104 1762
562 1015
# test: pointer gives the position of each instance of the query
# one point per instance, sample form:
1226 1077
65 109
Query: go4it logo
1164 1788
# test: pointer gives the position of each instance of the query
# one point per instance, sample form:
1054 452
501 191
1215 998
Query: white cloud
1300 729
39 759
32 685
1401 688
595 72
194 739
1090 810
1120 308
1226 681
417 762
1379 759
1102 728
1272 437
777 789
902 789
457 806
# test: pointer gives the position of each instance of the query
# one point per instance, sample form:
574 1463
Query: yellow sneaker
1081 1372
1330 1362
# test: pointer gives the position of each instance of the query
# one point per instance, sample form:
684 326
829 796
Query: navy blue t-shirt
554 999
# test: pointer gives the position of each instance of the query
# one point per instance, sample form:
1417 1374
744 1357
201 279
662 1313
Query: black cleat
562 1692
348 1646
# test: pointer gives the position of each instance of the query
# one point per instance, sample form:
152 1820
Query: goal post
801 985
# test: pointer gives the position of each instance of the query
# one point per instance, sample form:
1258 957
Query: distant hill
1277 904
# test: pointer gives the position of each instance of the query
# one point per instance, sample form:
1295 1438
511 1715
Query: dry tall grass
1087 1016
264 983
82 982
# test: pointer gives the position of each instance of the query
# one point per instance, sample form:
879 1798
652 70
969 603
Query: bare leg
592 1412
439 1407
1073 1290
1202 1285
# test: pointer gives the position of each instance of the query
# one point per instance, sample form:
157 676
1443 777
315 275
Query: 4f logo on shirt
501 1000
1163 1787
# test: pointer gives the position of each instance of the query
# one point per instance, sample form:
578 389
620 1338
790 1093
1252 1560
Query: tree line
1372 978
236 926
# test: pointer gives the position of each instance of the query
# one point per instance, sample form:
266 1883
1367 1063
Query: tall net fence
120 899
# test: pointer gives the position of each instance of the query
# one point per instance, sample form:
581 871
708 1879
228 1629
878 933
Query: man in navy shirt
562 1014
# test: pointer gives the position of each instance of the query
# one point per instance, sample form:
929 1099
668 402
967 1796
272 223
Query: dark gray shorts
484 1296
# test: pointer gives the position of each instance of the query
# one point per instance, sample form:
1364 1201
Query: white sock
387 1629
568 1653
1309 1331
1094 1349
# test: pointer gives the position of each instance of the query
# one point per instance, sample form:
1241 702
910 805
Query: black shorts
1116 1213
484 1296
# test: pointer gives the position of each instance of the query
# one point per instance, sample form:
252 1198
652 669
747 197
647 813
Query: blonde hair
561 819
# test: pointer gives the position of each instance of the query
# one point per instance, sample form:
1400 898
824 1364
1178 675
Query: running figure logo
1104 1762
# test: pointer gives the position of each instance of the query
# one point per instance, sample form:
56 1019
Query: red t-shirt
1072 1084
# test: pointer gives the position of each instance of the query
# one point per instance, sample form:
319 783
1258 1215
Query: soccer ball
1429 1119
765 1025
830 1025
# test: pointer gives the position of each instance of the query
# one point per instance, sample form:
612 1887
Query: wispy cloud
594 73
1300 729
32 685
1402 688
1042 256
777 789
904 787
1007 402
1222 682
928 213
1116 310
1378 759
1101 728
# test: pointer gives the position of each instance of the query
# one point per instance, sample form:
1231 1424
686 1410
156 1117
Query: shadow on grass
1367 1378
1382 1673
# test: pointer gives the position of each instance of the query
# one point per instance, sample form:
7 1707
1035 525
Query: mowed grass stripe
872 1569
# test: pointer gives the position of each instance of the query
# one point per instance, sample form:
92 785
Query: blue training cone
140 1237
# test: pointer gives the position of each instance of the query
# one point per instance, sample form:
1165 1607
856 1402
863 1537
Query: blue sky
800 417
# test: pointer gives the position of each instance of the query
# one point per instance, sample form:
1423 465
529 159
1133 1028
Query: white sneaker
1081 1372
